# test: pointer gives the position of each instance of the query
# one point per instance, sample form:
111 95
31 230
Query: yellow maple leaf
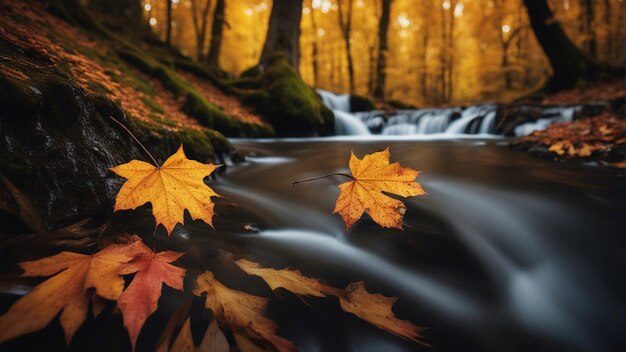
171 188
372 176
68 291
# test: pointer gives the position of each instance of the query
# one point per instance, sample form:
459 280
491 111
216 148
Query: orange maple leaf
171 188
372 176
141 297
242 312
67 291
371 307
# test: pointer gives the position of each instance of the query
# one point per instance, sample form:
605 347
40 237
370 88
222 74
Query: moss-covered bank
292 107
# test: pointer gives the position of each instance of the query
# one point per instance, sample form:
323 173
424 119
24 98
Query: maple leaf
291 280
67 291
212 341
242 312
373 308
377 310
171 188
141 297
372 176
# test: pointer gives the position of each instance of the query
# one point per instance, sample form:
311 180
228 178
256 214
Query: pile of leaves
600 138
81 282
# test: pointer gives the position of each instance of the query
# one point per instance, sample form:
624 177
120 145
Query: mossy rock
207 113
361 103
292 107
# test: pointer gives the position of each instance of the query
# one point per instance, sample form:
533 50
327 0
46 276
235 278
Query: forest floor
98 70
600 137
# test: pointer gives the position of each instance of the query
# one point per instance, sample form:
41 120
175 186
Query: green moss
361 103
293 108
207 113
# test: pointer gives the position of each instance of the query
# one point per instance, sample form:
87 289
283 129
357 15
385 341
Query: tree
383 28
283 32
345 24
216 34
316 69
168 24
570 66
199 17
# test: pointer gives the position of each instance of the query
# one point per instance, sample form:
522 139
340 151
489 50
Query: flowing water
450 122
505 253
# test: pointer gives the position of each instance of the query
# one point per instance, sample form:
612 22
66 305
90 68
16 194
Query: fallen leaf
141 297
67 291
26 210
177 319
373 308
373 175
245 345
241 312
213 340
377 310
175 186
184 340
291 280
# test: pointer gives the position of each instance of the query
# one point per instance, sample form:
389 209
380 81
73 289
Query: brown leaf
377 310
291 280
240 311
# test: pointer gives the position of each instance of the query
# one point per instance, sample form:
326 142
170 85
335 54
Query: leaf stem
320 177
138 142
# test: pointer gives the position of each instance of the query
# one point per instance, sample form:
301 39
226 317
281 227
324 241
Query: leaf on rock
67 291
291 280
377 310
240 311
141 297
373 175
171 188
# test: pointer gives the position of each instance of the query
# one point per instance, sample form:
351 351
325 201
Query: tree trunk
570 66
346 27
383 28
199 25
168 24
283 32
216 34
316 69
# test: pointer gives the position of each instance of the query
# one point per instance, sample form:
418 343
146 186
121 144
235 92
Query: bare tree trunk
383 28
586 24
371 78
346 27
569 65
609 32
316 69
168 24
199 25
216 34
283 33
426 10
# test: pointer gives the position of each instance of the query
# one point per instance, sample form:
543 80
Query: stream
504 253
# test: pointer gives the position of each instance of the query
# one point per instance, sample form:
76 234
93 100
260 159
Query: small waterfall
476 119
334 101
550 115
348 124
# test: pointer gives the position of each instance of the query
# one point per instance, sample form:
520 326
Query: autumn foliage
77 281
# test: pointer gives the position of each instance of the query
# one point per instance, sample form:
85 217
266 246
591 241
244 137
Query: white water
451 122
